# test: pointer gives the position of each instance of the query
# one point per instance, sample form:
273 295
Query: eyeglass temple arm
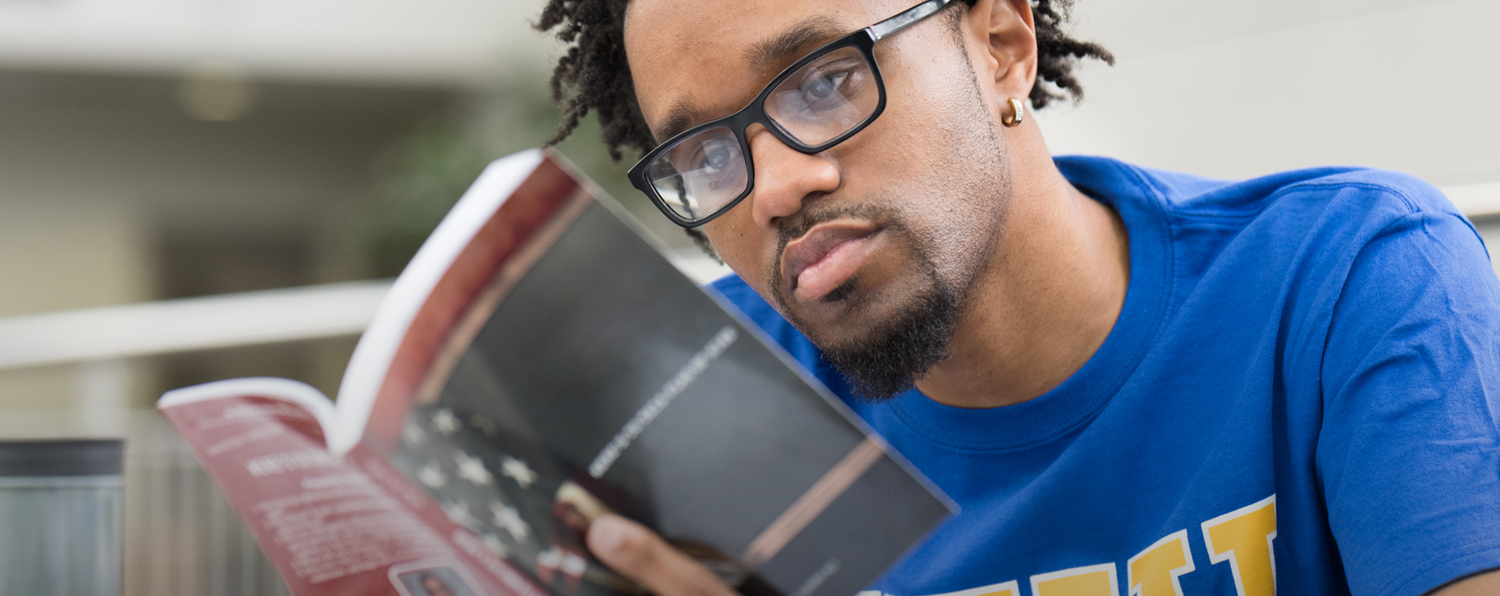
906 19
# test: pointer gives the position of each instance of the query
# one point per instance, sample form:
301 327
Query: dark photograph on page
604 381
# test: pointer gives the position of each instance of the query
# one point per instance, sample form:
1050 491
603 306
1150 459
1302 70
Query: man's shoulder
1338 195
1369 193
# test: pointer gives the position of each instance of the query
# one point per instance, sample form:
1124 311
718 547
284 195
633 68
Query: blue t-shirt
1303 387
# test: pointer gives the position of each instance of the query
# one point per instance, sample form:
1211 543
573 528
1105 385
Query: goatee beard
901 349
898 350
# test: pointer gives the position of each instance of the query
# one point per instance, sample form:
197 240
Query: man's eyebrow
770 53
680 117
790 44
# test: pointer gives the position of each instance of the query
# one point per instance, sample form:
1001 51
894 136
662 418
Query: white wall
1236 89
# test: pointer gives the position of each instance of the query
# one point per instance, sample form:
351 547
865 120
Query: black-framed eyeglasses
819 101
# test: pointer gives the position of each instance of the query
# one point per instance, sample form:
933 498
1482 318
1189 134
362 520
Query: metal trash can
60 517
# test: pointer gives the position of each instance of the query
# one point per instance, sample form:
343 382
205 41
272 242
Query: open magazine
538 364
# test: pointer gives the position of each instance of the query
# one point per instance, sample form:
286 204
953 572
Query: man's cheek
737 246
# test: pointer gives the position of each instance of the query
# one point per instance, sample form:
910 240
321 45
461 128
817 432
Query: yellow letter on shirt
1243 537
1154 571
1094 580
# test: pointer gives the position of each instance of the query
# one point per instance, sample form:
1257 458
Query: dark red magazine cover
332 525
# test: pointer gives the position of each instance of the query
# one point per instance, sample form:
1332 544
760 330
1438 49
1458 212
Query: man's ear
1007 33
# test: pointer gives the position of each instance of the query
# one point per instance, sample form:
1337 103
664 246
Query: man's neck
1048 298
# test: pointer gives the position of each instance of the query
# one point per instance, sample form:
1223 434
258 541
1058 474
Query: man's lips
825 256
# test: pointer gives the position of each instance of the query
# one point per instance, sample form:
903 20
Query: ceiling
443 42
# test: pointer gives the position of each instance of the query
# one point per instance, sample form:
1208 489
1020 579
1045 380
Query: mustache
796 225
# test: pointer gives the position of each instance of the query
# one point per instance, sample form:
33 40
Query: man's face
870 247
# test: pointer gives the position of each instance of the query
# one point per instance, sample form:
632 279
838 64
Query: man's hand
639 554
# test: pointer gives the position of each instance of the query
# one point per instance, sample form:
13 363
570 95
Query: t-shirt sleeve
1409 452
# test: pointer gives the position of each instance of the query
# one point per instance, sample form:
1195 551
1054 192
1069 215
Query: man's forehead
689 56
681 25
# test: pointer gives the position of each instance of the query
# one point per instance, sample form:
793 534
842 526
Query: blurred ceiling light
216 91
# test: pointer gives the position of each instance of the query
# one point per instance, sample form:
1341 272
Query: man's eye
827 89
713 157
823 86
715 165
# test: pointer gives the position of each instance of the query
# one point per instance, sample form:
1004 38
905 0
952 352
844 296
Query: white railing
100 341
147 329
114 333
1476 200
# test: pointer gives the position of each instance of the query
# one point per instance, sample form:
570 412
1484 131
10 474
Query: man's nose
785 177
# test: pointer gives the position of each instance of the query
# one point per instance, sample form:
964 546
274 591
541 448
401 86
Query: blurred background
193 190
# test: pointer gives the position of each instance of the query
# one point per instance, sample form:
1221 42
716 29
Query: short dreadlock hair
595 68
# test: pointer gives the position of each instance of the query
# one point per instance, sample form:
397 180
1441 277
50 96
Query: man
1132 381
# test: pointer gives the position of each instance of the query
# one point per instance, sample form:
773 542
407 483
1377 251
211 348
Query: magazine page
592 376
515 200
331 525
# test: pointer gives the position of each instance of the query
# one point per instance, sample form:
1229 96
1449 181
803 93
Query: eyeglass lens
823 99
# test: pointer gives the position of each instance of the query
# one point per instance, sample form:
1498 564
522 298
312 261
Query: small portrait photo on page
441 576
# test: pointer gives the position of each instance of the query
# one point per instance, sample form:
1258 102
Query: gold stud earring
1016 115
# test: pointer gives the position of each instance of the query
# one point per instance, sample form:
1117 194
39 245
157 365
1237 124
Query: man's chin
847 315
883 346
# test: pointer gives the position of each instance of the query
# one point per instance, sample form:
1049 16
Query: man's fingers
639 554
